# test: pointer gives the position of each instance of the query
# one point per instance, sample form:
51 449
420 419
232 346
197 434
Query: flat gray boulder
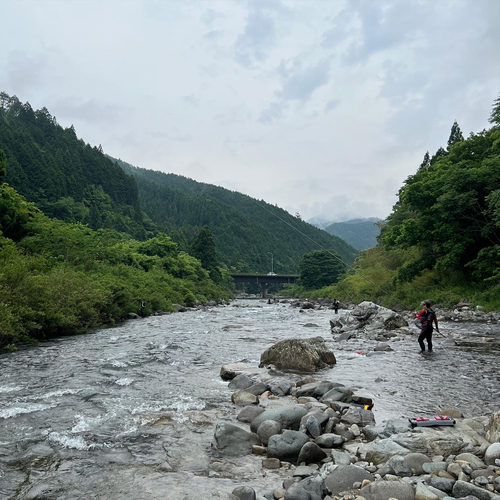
383 490
381 450
302 355
462 489
344 476
233 440
359 416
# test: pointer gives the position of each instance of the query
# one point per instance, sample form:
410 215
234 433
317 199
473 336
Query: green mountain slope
65 177
246 231
360 233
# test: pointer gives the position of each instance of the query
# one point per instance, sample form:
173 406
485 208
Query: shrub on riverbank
58 278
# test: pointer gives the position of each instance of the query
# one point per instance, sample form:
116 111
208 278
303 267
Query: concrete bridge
264 280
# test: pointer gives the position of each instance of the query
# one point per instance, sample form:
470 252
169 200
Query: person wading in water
426 317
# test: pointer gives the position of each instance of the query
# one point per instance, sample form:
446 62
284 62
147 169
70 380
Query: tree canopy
320 268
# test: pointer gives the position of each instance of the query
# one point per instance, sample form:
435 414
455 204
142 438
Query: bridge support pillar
265 287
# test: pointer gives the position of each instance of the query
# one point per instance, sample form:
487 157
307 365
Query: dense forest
245 230
59 278
75 182
442 239
65 177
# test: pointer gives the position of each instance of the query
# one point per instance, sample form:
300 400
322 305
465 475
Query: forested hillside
65 177
360 233
245 230
59 278
75 182
442 239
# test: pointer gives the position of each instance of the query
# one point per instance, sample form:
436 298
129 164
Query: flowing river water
129 412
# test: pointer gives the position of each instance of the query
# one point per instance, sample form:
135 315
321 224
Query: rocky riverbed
133 410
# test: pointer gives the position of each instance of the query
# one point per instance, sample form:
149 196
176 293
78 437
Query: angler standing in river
426 316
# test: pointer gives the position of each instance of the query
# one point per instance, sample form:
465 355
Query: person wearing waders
426 317
336 305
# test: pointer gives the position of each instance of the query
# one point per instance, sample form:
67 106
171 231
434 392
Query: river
129 412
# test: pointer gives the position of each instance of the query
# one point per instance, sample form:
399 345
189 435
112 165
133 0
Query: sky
323 108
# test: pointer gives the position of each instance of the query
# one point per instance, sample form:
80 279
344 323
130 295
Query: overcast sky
321 107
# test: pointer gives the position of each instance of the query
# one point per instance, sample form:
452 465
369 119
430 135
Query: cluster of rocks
318 304
325 436
321 431
369 319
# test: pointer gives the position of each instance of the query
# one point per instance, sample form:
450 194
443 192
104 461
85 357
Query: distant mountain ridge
360 233
241 225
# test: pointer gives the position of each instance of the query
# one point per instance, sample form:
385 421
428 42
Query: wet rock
372 432
358 416
396 426
462 489
289 417
442 483
286 446
415 462
257 389
381 450
341 457
472 460
362 400
384 490
313 426
297 492
303 471
230 371
311 453
315 486
267 429
244 493
271 463
281 389
307 389
240 382
492 453
340 393
233 440
344 476
249 413
329 440
434 467
368 314
422 492
399 466
243 398
307 355
323 388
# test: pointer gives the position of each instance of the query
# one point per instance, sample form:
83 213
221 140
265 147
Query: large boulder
233 440
303 355
493 433
368 314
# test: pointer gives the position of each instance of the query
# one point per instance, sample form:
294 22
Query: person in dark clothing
142 307
426 316
336 305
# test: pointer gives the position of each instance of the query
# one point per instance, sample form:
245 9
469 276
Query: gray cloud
332 104
91 111
209 16
192 100
259 35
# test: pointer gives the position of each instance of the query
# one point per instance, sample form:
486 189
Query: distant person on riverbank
426 316
142 307
336 305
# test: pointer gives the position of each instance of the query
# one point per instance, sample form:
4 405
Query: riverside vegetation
442 239
59 278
